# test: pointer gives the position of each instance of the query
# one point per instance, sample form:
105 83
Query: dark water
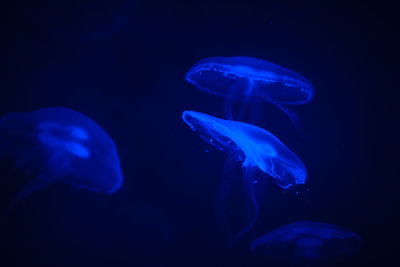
126 70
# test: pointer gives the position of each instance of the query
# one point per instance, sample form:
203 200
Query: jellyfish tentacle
295 119
292 116
255 113
241 111
221 202
259 187
249 186
228 108
38 183
245 102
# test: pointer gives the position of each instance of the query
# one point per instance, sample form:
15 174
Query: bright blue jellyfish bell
59 144
250 80
256 148
307 242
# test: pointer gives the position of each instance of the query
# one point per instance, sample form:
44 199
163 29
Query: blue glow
252 79
254 146
78 133
77 149
62 137
61 144
308 241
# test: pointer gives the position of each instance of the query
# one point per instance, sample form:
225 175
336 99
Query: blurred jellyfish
79 20
256 148
308 242
59 144
253 80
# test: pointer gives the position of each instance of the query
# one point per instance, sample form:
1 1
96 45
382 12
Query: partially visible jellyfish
59 144
255 148
308 242
248 79
79 20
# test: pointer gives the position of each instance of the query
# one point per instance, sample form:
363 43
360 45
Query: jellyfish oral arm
39 183
247 175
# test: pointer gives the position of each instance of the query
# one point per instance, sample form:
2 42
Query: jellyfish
255 148
250 80
79 20
60 144
308 242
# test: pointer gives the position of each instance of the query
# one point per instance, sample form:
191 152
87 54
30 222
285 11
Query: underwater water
118 72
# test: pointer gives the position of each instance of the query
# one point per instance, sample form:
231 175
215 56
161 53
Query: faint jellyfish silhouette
255 148
79 20
307 242
59 144
253 80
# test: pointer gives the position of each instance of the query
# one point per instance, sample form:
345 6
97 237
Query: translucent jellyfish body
56 144
308 242
251 81
250 78
256 149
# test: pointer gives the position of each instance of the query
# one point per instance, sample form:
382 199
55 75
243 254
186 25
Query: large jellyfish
248 79
256 148
59 144
308 242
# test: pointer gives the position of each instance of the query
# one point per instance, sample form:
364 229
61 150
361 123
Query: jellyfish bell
308 242
251 80
256 149
56 144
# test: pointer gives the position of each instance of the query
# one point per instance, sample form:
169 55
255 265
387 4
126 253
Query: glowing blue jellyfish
256 148
59 144
248 79
308 242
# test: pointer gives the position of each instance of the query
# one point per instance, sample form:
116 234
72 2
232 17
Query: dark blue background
130 79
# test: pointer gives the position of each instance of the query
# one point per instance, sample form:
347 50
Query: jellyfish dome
254 146
61 144
309 242
251 79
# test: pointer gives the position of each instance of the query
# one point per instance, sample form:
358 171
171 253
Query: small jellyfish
248 79
59 144
256 148
308 242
